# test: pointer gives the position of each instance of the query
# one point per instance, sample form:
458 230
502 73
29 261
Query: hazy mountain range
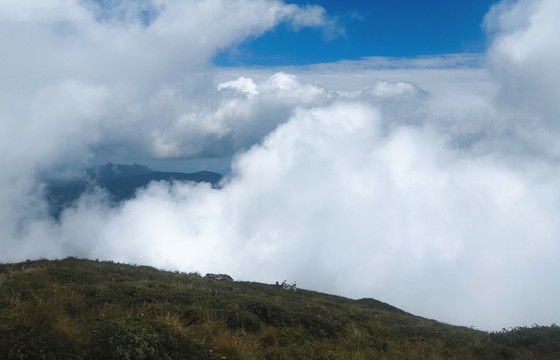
120 181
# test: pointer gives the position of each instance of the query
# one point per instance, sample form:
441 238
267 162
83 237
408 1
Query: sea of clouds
429 183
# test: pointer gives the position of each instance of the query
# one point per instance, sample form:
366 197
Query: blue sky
396 28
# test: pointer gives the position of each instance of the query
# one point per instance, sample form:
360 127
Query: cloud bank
430 183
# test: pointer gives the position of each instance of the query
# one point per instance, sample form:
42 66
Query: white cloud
243 85
80 79
428 183
524 58
49 44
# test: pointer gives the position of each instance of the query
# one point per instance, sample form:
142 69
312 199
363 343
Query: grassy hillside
82 309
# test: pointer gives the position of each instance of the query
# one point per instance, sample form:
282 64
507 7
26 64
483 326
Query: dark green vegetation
83 309
120 181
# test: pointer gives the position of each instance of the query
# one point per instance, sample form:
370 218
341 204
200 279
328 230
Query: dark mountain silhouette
120 181
111 171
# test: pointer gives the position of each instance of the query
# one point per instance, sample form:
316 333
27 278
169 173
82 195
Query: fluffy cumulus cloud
524 47
84 79
430 184
69 65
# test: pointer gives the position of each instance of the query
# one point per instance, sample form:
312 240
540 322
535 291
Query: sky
398 28
387 150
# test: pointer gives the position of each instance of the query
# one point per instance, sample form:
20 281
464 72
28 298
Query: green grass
83 309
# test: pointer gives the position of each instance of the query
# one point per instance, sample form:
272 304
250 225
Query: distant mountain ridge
120 181
112 171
